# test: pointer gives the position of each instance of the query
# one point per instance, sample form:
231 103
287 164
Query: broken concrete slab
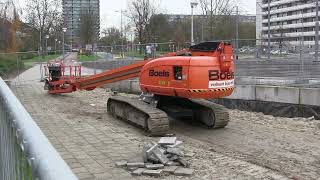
138 172
160 156
174 158
170 169
177 144
150 150
172 163
189 154
154 166
135 165
156 173
153 159
183 172
175 151
167 140
132 168
184 163
121 163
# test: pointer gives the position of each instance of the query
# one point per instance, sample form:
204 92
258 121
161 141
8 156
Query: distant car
274 52
75 50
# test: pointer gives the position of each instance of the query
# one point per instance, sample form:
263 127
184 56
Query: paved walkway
85 143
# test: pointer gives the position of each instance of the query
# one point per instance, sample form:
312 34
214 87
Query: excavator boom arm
114 75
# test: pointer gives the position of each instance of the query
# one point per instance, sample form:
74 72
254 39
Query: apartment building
74 12
292 22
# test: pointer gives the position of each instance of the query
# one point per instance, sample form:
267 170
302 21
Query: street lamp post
193 4
47 37
121 30
55 46
64 31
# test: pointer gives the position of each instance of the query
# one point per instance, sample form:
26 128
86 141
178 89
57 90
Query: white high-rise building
292 22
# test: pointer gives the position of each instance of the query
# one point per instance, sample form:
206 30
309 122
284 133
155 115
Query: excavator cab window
177 72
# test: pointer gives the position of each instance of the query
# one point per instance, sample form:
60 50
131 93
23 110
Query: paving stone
137 165
170 169
183 172
138 172
121 163
150 150
175 151
153 159
160 156
183 162
132 168
154 166
156 173
172 163
167 140
177 144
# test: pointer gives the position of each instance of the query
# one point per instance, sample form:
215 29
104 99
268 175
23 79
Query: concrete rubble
162 158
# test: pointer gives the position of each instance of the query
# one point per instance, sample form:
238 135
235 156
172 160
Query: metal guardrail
25 152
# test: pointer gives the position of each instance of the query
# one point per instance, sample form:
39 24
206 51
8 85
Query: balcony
292 17
279 3
293 34
290 26
293 8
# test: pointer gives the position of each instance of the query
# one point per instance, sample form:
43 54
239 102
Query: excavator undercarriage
154 116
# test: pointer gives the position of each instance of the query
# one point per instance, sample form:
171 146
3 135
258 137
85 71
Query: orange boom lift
175 84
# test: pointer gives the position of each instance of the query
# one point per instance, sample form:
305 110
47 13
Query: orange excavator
176 84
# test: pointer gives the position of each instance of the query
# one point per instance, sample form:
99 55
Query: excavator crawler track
139 113
220 115
211 114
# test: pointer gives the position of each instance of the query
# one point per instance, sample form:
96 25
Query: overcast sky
110 18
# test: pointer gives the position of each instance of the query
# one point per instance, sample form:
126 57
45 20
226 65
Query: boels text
216 75
159 73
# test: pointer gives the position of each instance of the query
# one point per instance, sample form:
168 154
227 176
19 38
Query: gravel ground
252 146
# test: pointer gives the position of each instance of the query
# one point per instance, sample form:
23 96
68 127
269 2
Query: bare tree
44 15
111 36
214 10
140 12
87 27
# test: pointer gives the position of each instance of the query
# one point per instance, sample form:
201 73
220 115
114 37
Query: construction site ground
252 146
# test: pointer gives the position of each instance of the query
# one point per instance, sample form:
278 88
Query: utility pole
237 33
317 32
269 35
